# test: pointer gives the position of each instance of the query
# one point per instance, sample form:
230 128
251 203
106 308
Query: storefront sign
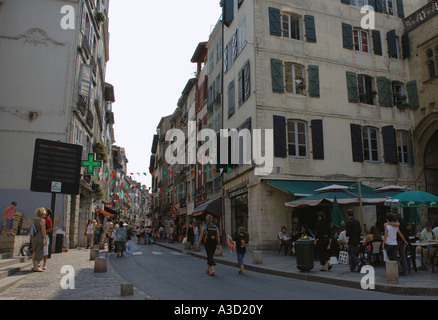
421 15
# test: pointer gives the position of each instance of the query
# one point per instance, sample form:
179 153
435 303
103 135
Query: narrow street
170 275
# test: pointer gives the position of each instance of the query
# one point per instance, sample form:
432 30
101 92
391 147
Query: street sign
91 163
56 167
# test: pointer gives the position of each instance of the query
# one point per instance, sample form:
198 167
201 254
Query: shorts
9 225
240 257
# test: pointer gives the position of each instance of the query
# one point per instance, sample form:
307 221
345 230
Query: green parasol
413 199
337 219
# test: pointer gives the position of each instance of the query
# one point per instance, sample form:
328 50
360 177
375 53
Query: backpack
210 234
33 230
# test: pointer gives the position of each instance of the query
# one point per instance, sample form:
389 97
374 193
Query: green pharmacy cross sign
91 163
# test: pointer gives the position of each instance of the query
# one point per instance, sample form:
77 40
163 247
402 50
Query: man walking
353 231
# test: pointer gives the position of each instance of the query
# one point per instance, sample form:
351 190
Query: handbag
343 257
184 240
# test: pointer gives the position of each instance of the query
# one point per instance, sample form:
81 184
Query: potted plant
100 17
100 149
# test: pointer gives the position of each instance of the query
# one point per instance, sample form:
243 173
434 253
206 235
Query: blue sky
151 44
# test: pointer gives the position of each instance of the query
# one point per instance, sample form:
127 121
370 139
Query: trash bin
59 242
305 254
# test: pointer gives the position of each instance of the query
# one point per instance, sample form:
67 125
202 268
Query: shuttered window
280 137
317 139
406 46
275 22
309 22
297 138
356 142
393 45
352 89
228 12
414 102
400 9
385 91
370 141
277 75
389 145
347 36
377 42
314 81
244 83
85 81
404 147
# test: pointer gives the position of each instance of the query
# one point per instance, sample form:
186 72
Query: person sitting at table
343 240
427 235
285 239
374 235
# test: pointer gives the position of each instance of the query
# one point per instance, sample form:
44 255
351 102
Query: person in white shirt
343 240
285 239
390 239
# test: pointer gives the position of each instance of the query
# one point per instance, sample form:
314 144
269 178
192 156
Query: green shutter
228 12
385 91
406 45
345 1
389 145
347 36
391 38
314 81
372 3
275 22
379 6
277 75
353 91
309 22
377 42
414 102
400 9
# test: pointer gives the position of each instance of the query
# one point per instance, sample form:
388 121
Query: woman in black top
322 241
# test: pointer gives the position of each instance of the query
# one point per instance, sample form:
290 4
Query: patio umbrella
414 218
413 199
337 219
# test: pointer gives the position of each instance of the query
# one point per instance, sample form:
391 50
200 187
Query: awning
114 212
213 207
105 213
296 187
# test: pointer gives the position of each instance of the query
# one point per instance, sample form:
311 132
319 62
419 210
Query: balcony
82 104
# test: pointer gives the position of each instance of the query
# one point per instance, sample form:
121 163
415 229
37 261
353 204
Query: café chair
376 251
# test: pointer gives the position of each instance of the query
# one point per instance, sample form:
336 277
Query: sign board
56 167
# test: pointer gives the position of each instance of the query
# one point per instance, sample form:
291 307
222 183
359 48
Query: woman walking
38 239
121 238
210 234
322 241
89 230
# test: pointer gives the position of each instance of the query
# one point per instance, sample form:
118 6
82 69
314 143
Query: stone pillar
94 253
257 257
100 265
392 272
126 289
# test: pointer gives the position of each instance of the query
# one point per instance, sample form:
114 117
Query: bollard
101 246
94 253
257 257
100 265
126 289
392 272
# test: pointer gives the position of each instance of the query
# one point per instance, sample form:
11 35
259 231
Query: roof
200 52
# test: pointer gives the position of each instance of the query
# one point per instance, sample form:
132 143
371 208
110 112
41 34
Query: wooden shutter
275 22
377 42
347 36
400 9
277 75
356 142
352 88
345 1
231 98
240 87
372 3
228 12
406 45
314 81
309 22
385 91
391 39
378 7
317 139
389 144
85 81
247 80
280 137
84 17
414 102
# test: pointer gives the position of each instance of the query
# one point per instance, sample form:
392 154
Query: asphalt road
170 275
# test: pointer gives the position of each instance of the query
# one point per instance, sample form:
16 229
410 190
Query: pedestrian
114 236
390 239
190 234
241 238
353 231
89 230
149 235
322 241
8 218
401 246
121 238
210 235
38 239
97 232
49 226
195 232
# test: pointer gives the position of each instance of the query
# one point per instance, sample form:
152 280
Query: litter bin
59 243
305 254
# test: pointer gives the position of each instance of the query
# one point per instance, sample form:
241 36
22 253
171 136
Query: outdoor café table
424 245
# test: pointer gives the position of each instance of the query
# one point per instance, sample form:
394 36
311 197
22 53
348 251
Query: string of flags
207 171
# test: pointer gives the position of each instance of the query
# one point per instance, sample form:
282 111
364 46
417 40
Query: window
403 147
366 89
389 7
291 26
297 138
398 94
294 78
430 63
244 85
393 45
231 98
370 144
361 40
358 3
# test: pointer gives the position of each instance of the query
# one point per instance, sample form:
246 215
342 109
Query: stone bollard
101 246
126 289
100 265
257 257
392 272
94 253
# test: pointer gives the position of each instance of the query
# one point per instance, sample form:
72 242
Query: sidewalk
421 283
88 284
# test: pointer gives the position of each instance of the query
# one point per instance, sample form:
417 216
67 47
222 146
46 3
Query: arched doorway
431 171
